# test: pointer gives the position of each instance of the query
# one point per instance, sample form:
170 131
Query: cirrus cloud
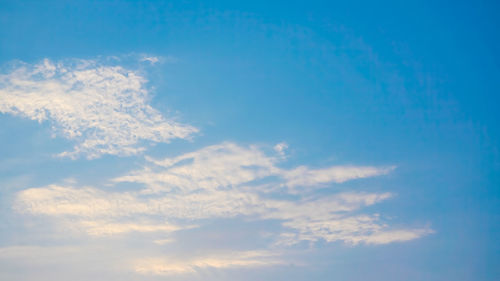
220 182
102 108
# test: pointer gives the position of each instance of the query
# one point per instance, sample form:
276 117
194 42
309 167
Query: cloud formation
229 164
173 266
104 109
222 181
303 176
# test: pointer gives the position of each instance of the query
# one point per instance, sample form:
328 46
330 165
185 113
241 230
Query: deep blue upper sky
414 84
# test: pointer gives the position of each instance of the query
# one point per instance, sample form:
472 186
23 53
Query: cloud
105 228
218 182
212 167
108 260
93 211
334 218
103 109
92 203
150 59
281 148
399 235
229 164
303 176
157 59
328 218
356 229
173 266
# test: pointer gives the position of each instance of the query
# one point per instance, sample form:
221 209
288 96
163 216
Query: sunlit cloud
303 176
219 182
281 148
229 164
174 266
102 108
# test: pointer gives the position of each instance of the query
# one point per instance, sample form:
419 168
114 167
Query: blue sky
225 140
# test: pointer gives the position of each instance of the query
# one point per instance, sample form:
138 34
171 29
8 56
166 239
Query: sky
247 140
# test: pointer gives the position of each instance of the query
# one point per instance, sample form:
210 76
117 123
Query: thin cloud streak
174 266
228 164
303 176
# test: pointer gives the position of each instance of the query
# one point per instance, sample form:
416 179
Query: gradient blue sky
377 116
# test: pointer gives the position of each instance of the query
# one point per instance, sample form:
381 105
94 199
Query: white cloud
99 213
105 228
93 203
163 241
334 218
157 59
281 148
220 182
104 261
151 59
390 236
229 164
172 266
103 109
352 229
54 200
174 196
216 166
303 176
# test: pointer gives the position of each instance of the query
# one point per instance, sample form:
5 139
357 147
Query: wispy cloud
303 176
172 266
229 164
222 181
150 59
389 236
106 228
217 166
102 108
281 148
